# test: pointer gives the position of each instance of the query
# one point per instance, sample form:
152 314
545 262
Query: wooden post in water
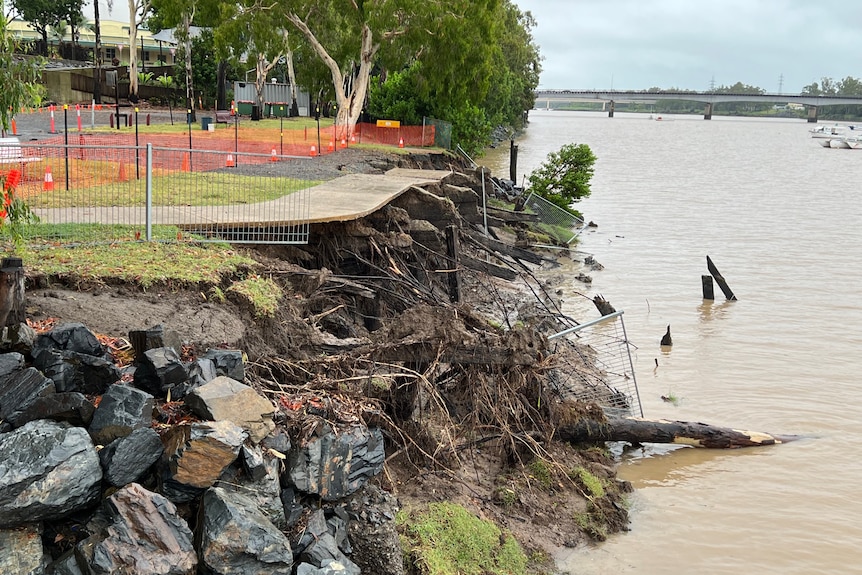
452 273
719 279
12 310
707 112
513 162
708 292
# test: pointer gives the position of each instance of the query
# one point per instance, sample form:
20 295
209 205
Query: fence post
149 177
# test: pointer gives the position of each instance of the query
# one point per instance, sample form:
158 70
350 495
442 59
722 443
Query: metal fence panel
557 222
597 366
115 193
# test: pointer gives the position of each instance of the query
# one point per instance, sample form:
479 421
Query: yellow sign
388 123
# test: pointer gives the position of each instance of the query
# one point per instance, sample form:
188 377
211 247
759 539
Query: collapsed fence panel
108 194
596 366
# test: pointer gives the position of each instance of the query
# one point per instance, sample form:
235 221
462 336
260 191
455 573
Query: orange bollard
186 167
14 127
48 183
123 177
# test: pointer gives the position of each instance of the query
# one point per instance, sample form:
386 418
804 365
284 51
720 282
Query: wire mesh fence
596 365
114 193
555 221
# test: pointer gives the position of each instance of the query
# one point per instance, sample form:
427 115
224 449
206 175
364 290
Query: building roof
114 35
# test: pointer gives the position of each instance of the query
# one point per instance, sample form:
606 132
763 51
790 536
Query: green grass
180 126
591 484
262 293
176 189
139 263
445 539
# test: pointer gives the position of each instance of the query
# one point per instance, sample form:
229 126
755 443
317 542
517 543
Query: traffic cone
14 127
343 142
313 151
272 157
48 184
123 177
401 143
331 146
228 163
185 167
353 138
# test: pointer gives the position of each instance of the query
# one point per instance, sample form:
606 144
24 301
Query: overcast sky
688 44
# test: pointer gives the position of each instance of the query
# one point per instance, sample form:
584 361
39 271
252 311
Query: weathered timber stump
12 310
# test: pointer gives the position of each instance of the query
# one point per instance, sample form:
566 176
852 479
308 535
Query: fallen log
505 249
638 430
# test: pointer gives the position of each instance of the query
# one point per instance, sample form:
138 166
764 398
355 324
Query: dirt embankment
367 323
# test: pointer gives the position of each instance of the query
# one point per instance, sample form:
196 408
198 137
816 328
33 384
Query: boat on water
842 142
828 132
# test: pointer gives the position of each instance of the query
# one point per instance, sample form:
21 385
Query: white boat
828 132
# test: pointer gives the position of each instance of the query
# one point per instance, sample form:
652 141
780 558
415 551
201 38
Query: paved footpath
346 198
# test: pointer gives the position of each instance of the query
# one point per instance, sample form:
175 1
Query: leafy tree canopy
19 77
564 177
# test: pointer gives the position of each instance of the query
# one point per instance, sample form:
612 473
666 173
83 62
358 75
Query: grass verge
446 539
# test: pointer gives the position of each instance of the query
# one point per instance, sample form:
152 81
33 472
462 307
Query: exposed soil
487 460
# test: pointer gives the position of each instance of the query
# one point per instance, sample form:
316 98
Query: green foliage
204 66
145 78
15 213
19 78
564 177
165 81
448 540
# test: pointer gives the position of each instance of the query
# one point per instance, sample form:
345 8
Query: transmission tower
780 83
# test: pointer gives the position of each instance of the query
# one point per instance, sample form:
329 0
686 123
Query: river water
780 216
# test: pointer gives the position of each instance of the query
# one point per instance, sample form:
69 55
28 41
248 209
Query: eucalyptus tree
179 15
254 33
139 11
350 37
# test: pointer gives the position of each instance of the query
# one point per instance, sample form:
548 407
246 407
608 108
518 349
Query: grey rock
332 567
72 408
9 362
376 546
72 337
235 537
264 491
335 465
279 440
143 340
324 551
228 362
160 369
18 338
126 459
66 564
196 455
122 410
145 536
47 471
293 510
227 399
21 551
253 462
201 371
75 371
20 389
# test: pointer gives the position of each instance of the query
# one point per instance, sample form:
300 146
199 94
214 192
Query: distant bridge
708 98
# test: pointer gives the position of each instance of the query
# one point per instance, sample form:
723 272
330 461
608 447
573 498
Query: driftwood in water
719 279
603 305
636 430
12 310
